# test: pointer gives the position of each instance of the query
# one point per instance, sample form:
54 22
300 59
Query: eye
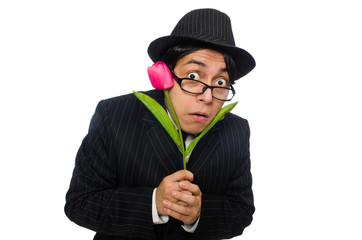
221 83
193 75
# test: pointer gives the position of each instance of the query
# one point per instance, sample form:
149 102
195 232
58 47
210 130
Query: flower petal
160 76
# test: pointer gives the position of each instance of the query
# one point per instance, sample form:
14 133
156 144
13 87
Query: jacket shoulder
128 101
234 120
234 125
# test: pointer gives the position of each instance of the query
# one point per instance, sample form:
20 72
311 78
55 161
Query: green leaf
217 118
161 115
176 120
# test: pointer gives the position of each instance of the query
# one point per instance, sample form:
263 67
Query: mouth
199 116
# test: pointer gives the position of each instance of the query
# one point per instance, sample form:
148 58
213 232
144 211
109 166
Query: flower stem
178 127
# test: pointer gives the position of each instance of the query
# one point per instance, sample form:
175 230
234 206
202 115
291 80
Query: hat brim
243 60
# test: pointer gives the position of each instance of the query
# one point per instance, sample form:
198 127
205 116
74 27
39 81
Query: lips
199 116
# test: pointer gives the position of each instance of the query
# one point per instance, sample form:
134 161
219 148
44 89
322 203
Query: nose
206 96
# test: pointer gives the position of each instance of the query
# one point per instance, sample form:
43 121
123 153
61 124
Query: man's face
196 111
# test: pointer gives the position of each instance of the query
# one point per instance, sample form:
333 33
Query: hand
168 185
177 197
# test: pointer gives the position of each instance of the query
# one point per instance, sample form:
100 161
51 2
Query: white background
303 102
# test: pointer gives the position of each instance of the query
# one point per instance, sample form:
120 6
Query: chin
195 131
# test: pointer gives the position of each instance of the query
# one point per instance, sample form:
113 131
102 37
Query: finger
193 188
189 200
180 202
175 209
181 175
186 192
185 214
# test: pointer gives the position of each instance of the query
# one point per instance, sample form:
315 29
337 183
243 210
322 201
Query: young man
127 182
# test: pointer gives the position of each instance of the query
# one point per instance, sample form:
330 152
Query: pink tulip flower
160 76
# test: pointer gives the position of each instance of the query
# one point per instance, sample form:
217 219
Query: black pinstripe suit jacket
127 153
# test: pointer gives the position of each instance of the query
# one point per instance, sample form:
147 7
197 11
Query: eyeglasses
197 87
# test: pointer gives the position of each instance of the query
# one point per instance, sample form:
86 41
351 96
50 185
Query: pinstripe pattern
127 153
208 25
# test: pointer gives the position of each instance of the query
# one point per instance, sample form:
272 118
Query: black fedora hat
209 27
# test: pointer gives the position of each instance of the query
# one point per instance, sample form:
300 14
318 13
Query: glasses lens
222 93
192 86
196 87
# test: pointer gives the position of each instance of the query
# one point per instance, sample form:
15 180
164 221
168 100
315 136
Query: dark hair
177 52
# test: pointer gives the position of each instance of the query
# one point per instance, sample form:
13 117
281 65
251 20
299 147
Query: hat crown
208 25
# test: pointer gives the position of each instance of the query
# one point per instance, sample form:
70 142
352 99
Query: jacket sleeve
226 215
94 199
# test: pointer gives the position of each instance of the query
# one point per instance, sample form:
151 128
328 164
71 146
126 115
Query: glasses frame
179 80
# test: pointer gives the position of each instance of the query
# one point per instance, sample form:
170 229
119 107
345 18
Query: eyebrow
203 65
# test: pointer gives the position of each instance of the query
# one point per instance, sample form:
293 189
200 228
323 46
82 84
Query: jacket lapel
164 149
204 151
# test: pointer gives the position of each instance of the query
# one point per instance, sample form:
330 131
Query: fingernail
174 194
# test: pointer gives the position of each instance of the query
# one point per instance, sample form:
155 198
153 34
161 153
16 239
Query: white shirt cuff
156 218
191 228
